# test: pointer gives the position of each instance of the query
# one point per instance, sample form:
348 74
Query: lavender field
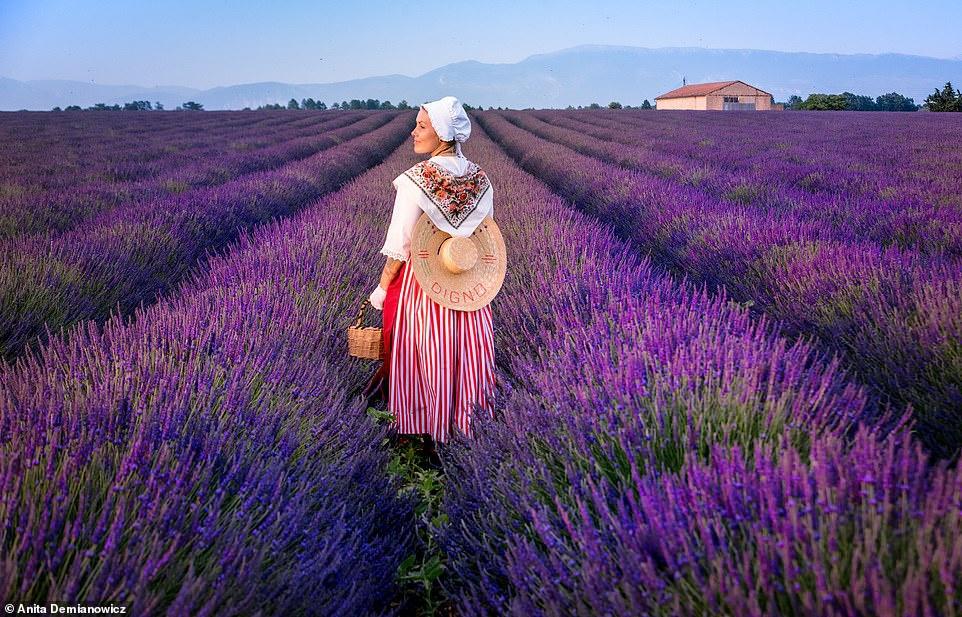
729 357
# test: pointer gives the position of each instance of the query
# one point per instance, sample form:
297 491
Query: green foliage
893 101
858 102
614 105
138 106
646 104
824 102
292 104
847 101
191 106
310 103
946 99
419 573
594 106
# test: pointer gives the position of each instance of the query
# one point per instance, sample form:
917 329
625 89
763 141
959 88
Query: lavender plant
623 387
206 454
893 316
136 253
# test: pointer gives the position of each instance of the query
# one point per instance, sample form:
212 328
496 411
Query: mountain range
574 76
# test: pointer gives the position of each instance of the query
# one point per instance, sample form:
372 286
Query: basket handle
360 313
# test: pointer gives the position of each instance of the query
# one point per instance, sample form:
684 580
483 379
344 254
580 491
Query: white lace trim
394 254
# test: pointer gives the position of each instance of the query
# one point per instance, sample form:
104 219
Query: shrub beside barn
718 96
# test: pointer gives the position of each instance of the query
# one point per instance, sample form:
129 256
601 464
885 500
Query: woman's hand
377 298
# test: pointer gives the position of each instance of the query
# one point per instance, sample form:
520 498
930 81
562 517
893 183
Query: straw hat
463 274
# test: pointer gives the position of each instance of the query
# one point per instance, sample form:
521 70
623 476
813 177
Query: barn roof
701 89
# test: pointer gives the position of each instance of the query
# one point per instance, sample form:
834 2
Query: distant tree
794 102
336 105
824 102
138 106
103 107
292 104
158 106
646 104
893 101
72 108
614 105
308 103
246 109
594 106
387 105
404 105
57 108
947 99
322 105
270 106
345 105
191 106
858 102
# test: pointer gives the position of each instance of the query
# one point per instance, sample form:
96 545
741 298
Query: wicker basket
364 342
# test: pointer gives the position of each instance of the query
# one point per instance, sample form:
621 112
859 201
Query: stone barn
717 95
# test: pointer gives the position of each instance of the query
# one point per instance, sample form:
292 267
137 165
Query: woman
439 361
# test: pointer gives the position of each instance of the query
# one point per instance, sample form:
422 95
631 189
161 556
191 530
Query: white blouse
397 244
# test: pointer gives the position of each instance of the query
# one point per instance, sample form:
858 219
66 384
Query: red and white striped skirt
441 364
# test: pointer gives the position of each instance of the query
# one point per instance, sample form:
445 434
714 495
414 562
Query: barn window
731 99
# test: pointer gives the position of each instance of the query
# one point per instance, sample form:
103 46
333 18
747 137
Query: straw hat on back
460 273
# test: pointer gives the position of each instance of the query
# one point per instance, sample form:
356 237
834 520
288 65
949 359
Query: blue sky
206 43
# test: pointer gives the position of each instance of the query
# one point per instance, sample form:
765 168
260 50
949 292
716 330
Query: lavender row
894 317
874 155
659 451
895 166
206 455
138 252
26 212
107 153
56 150
908 224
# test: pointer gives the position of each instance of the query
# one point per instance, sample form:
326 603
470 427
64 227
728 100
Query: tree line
946 99
132 106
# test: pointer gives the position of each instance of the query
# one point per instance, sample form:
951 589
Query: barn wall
688 102
738 89
717 102
745 94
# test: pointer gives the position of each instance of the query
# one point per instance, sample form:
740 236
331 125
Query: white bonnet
449 119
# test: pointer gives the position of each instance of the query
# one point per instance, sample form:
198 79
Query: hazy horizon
208 44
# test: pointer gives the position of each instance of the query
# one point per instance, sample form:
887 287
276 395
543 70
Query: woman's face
425 138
